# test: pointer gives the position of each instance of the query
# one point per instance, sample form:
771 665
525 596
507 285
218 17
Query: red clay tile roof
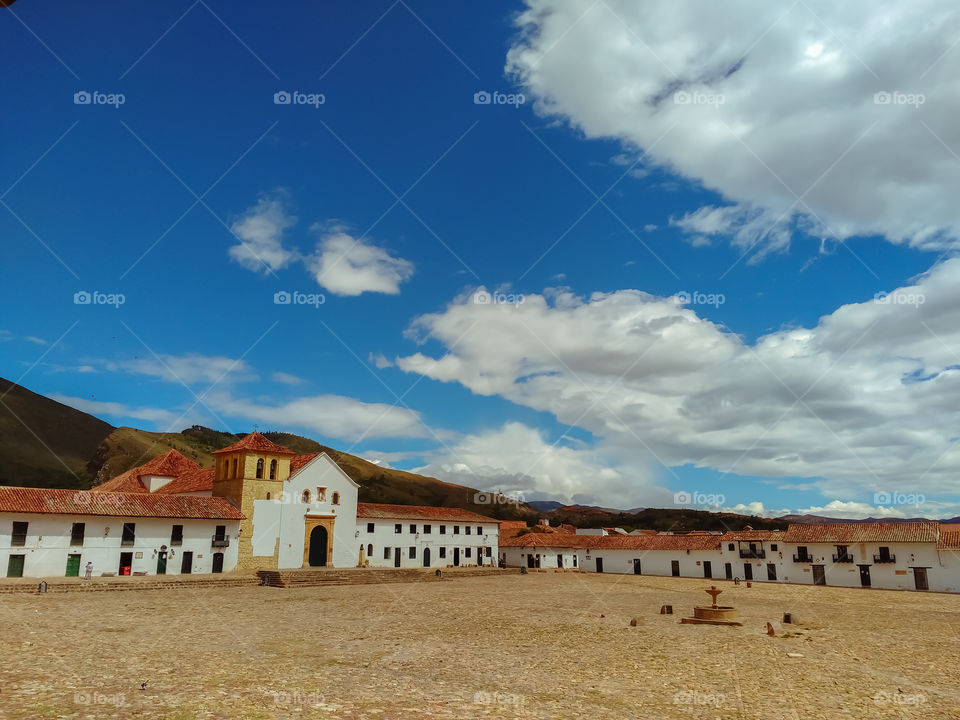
83 502
756 535
255 442
199 480
417 512
616 542
170 464
509 528
843 533
948 541
298 461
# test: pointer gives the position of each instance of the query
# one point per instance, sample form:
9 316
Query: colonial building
895 556
419 536
260 507
58 532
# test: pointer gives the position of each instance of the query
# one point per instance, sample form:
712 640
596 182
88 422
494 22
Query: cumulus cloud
863 402
260 231
518 461
834 118
345 265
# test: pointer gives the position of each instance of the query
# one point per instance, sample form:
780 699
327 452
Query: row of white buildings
264 507
261 507
896 556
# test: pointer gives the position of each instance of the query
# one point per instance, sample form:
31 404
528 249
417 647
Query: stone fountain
713 614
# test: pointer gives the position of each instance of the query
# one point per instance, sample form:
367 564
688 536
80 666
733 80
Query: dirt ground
528 646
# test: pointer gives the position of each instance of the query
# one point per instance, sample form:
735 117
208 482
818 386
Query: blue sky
199 197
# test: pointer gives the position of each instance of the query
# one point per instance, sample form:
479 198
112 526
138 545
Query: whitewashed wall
385 536
48 543
550 558
943 566
652 562
283 518
779 558
891 576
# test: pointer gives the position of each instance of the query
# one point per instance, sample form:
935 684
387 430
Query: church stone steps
365 576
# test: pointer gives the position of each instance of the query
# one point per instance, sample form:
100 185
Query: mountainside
44 443
663 519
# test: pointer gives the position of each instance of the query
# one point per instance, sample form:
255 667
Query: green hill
44 443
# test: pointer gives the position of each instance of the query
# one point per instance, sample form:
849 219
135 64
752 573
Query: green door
73 566
15 566
162 563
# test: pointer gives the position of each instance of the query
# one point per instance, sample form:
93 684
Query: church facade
261 507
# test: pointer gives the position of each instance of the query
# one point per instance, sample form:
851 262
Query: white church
261 507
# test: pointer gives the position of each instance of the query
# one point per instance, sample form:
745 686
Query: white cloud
35 340
117 410
261 233
863 402
333 416
518 460
380 360
778 102
187 369
345 265
286 378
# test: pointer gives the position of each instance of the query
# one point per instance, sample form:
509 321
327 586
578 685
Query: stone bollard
787 618
749 584
770 631
634 622
666 609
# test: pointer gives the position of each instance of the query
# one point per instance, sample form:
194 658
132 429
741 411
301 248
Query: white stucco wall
897 575
943 566
283 519
548 557
384 535
48 543
779 558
